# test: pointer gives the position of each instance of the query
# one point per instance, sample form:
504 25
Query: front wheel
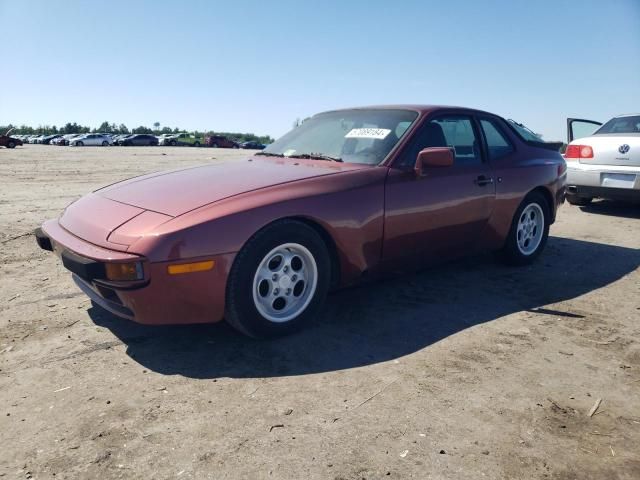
79 144
105 144
197 144
278 280
11 144
529 231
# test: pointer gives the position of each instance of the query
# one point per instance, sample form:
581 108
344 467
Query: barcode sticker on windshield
377 133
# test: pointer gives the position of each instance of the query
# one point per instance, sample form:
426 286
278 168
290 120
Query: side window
497 143
454 131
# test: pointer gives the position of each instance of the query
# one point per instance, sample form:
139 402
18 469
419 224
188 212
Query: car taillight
578 151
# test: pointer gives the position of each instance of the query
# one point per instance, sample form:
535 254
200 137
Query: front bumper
159 299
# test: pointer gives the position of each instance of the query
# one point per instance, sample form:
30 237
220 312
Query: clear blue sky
257 65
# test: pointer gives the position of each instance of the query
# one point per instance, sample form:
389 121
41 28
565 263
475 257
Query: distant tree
72 128
156 126
123 128
142 129
165 130
104 127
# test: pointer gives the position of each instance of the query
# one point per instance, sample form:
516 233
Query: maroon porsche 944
349 194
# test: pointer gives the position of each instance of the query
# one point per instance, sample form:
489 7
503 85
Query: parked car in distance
46 140
604 163
139 140
117 138
220 141
8 141
252 145
348 195
65 139
90 139
181 139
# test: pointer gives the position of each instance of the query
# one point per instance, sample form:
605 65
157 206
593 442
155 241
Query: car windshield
525 132
628 125
357 136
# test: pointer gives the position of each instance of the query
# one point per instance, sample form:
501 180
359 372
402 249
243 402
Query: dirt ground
468 370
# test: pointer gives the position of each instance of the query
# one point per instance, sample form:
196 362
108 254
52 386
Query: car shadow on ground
613 208
382 321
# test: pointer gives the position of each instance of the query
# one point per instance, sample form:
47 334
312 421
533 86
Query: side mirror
433 157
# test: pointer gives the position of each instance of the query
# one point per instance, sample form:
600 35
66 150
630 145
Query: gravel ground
464 371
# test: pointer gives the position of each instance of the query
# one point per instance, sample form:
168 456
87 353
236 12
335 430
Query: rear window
628 125
524 132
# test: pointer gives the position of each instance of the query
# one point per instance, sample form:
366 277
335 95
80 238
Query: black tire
105 143
214 145
579 201
173 143
196 144
235 146
511 253
11 144
79 144
240 310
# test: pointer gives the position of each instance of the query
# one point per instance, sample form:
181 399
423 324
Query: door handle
482 181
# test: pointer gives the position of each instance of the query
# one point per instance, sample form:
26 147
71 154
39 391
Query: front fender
349 207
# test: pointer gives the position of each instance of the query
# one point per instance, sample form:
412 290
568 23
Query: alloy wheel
285 282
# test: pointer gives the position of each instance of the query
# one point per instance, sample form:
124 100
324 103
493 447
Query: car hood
177 192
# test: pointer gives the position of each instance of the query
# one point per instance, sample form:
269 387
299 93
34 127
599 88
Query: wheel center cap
285 281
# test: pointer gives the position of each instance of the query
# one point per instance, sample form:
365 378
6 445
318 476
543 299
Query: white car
91 139
604 163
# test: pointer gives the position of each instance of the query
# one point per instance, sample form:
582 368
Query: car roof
627 115
421 108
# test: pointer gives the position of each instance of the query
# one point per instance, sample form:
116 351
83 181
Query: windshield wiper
316 156
269 154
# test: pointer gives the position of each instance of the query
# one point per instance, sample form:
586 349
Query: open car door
580 128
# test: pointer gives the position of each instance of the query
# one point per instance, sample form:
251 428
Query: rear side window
497 142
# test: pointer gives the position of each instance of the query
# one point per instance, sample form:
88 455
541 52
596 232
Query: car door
580 128
442 213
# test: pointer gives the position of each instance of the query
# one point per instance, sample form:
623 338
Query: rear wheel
105 143
11 144
529 231
579 201
79 144
173 143
214 145
196 144
278 280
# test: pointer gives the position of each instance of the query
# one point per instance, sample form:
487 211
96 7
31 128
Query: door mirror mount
433 157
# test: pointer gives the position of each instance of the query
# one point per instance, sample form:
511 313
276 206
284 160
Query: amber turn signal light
124 272
190 267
